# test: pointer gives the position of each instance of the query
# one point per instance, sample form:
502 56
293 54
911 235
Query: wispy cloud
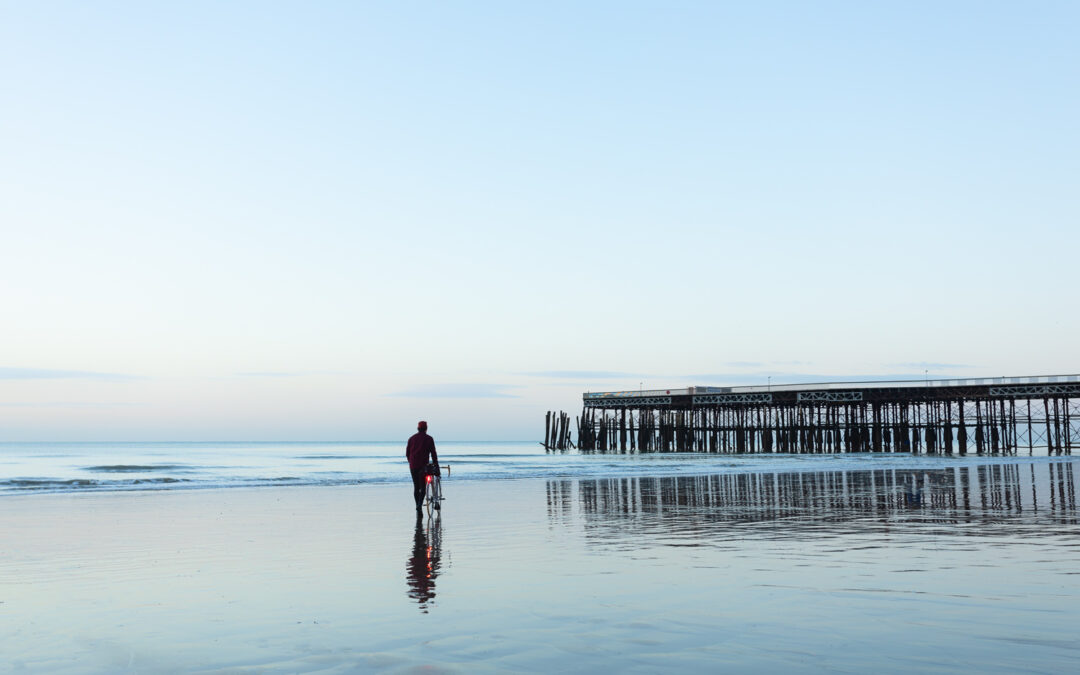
583 374
68 404
781 377
465 390
7 373
288 373
765 365
930 365
727 378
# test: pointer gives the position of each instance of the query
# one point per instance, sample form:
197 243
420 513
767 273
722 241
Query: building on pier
1001 415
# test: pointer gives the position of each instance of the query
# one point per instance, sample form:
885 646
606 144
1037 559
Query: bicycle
433 492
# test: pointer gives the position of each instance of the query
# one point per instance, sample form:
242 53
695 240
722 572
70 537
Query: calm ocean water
655 563
79 467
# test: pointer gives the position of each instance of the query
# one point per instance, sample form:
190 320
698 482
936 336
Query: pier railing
854 384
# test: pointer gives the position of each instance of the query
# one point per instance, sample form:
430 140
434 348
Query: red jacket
419 448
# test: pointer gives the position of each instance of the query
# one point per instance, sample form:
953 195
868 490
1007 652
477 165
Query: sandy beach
763 573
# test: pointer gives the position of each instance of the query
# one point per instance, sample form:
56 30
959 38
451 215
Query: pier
1002 415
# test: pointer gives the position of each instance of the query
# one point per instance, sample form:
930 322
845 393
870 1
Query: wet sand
957 570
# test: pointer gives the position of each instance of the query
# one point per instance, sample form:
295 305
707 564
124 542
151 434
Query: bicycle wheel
429 496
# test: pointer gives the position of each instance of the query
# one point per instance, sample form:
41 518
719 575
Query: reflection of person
423 564
913 493
419 449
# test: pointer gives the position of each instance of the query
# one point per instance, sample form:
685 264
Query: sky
327 220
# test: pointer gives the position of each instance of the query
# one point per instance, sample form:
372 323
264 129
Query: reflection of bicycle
424 562
433 492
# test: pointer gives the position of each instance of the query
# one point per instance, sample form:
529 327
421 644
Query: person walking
419 448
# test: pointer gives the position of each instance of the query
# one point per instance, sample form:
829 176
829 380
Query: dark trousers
419 484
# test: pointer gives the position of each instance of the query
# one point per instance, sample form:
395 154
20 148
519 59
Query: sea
191 557
44 467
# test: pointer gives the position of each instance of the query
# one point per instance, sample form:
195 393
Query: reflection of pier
983 416
1010 495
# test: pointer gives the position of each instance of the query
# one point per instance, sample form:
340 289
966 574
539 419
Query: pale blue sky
327 220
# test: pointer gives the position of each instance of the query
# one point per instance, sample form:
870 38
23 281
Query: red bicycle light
429 479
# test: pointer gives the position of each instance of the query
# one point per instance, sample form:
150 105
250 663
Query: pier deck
999 415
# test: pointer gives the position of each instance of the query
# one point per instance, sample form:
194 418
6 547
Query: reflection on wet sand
424 562
1015 498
